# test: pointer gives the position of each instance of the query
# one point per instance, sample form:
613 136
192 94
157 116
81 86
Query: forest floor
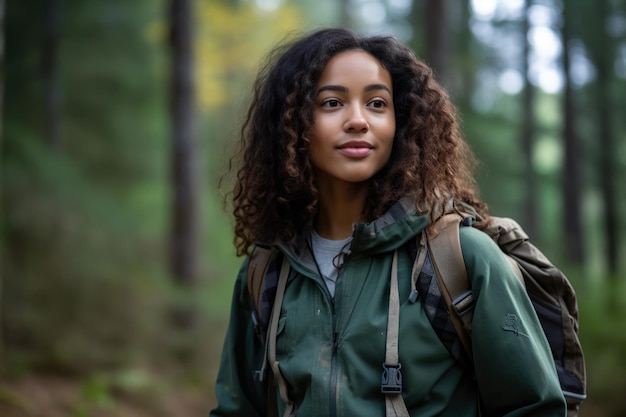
55 396
167 387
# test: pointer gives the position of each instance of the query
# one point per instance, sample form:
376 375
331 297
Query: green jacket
331 350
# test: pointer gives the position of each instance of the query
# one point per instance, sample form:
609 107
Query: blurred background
118 117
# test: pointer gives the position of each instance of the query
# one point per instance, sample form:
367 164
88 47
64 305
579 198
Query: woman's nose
356 122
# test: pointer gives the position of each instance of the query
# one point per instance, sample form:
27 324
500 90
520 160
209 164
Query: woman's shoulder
485 262
475 240
479 250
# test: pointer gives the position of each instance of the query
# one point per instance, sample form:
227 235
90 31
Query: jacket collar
397 226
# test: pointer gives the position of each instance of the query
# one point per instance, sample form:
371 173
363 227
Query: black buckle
467 221
392 379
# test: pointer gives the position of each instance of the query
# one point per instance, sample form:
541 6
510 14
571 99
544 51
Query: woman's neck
340 206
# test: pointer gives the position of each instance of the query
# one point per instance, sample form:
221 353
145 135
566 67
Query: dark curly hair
275 192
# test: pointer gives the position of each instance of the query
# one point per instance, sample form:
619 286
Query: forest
118 118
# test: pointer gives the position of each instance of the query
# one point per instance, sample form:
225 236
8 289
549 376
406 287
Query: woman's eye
377 104
331 103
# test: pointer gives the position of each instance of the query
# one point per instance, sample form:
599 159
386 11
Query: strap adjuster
463 303
259 375
392 379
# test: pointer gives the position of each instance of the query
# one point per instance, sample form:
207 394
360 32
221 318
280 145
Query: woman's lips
356 149
356 152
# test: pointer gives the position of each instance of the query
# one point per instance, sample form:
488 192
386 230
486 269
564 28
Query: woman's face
353 119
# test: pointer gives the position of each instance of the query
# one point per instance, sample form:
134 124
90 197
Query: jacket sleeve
238 393
513 361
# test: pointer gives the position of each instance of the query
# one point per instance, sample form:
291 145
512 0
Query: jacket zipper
332 383
333 365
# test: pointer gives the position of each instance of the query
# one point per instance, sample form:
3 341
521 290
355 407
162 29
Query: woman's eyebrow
343 89
339 88
377 87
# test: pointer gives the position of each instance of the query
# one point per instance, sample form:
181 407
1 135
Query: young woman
350 150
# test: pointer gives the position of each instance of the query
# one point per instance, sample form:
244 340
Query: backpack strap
391 383
272 332
444 246
258 266
445 249
257 269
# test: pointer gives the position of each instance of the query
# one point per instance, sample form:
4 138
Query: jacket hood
397 226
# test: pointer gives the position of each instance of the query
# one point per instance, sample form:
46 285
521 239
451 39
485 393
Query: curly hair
275 191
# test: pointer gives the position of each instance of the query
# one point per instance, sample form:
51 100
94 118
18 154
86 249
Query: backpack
549 290
438 260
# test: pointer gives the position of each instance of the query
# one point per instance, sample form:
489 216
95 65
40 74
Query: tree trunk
467 66
3 239
571 181
345 20
184 221
2 3
435 21
528 132
603 57
50 70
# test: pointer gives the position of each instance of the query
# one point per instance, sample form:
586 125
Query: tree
467 60
344 16
184 226
1 68
604 66
528 132
602 52
571 178
50 70
184 175
1 130
435 22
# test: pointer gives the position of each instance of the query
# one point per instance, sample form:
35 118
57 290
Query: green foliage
9 398
83 280
97 392
603 336
56 216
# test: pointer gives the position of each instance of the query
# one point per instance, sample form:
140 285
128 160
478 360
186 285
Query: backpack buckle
463 303
259 375
392 379
467 221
